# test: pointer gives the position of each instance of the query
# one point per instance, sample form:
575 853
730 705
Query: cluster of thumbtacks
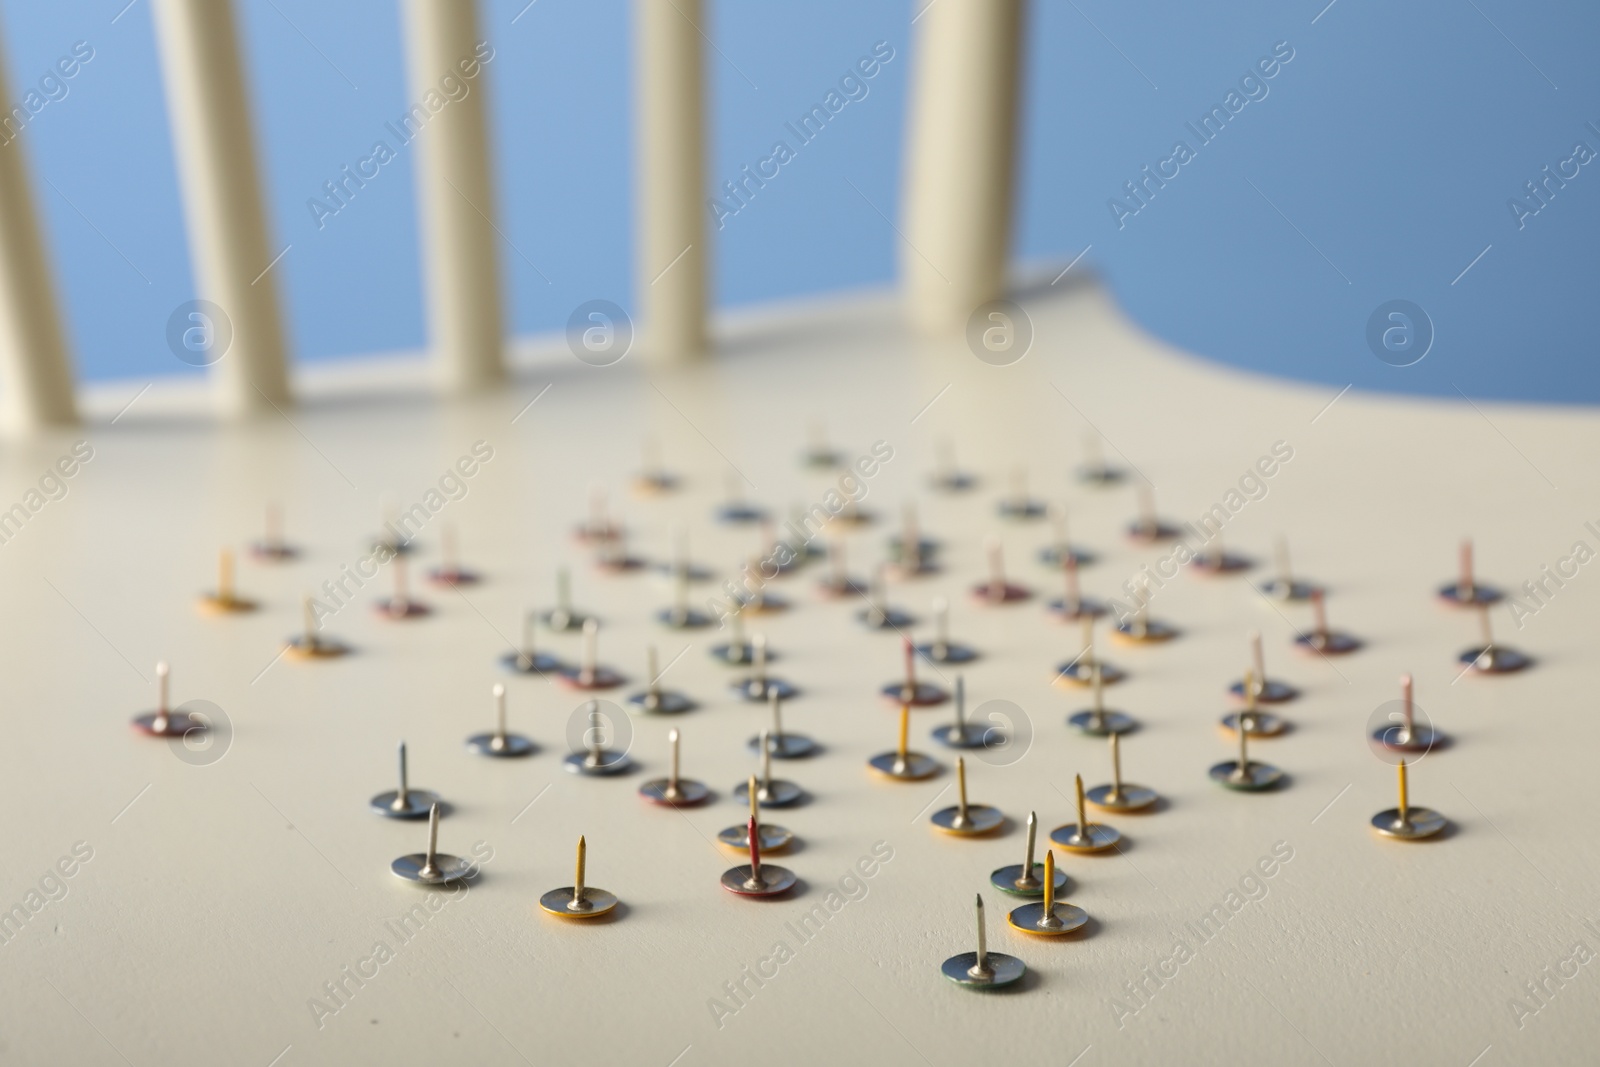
910 554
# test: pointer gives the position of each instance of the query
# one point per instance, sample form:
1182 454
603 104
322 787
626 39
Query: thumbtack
589 674
680 565
910 691
598 527
1072 606
1139 628
1406 822
1465 592
947 477
1321 639
405 802
1267 691
528 659
596 759
961 733
737 651
817 455
612 555
758 601
983 969
1490 658
272 547
771 792
1018 504
578 900
433 867
759 687
912 554
1284 586
771 838
390 542
1148 527
499 743
1119 795
1025 879
1097 721
997 590
781 744
1245 774
735 510
654 698
776 555
1085 836
1061 551
800 539
838 583
400 605
309 644
1095 470
902 764
673 791
1086 668
756 879
1253 722
224 600
966 820
941 649
1046 918
1409 736
562 618
878 615
450 571
165 722
1214 559
653 477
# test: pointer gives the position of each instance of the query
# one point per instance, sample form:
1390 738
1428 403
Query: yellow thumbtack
1045 917
223 600
903 764
1085 836
965 820
1406 822
578 901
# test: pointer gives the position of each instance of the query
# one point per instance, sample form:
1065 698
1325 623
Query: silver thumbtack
680 616
966 820
272 547
681 565
838 583
500 743
1406 822
562 618
771 838
1253 721
902 764
817 455
673 791
1466 591
776 553
165 722
1085 836
433 867
579 900
759 686
1245 774
770 792
528 659
1284 586
779 742
1073 606
1267 691
912 554
1018 504
1120 795
997 590
1321 639
1409 736
1214 559
1046 918
309 644
589 674
1148 527
757 879
1087 668
878 615
390 542
1097 721
737 651
961 733
736 511
917 694
947 477
400 605
654 698
941 649
450 571
800 540
1490 658
758 601
1025 879
1095 469
596 759
405 802
1061 551
983 969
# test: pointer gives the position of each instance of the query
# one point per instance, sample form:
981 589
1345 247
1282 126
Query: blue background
1378 167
